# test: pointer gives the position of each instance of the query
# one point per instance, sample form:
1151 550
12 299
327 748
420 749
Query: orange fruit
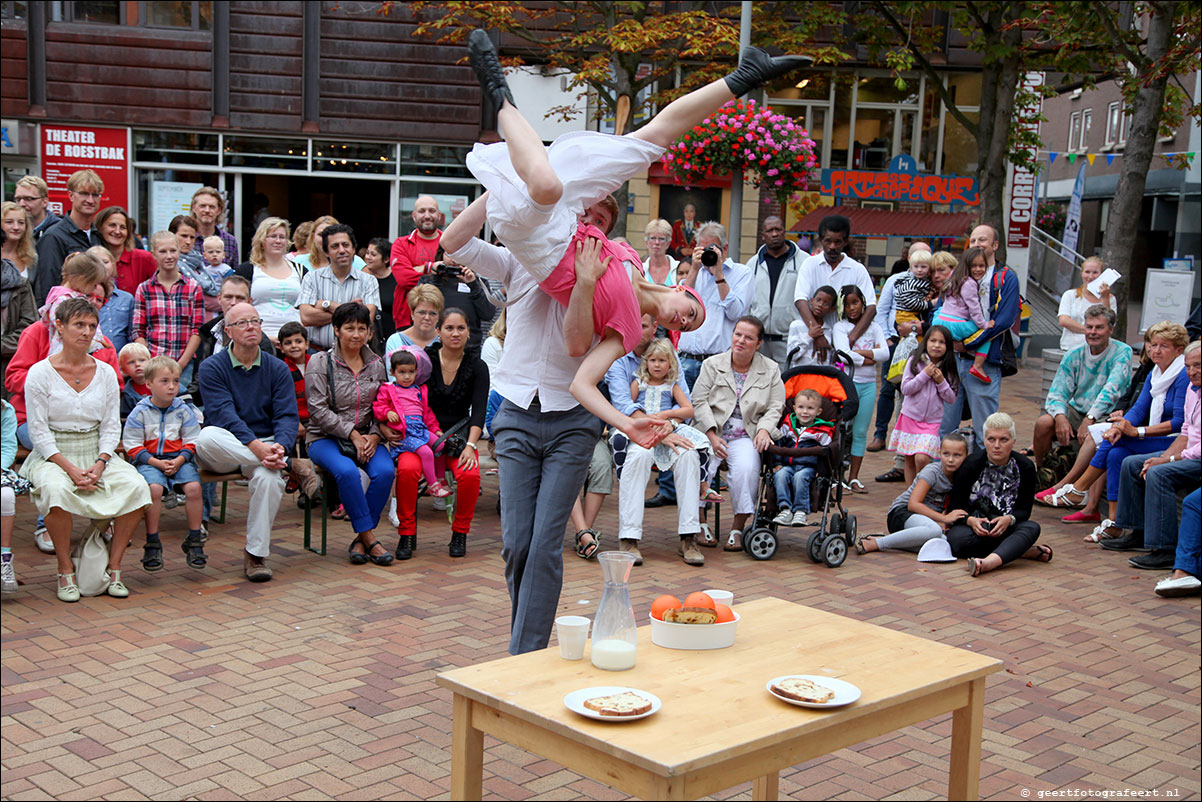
724 614
663 603
699 599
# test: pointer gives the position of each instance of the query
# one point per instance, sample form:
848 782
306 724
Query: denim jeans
982 399
1188 559
363 506
885 400
1150 503
793 487
690 369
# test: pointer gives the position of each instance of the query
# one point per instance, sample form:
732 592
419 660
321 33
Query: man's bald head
236 328
985 237
915 247
426 216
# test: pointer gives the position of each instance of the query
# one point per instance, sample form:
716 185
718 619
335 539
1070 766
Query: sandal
705 537
734 541
713 497
974 566
194 554
152 556
855 486
588 550
1061 497
379 559
357 557
70 591
859 543
1045 553
1100 532
116 587
339 514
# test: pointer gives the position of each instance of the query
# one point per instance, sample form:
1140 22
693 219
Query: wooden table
719 726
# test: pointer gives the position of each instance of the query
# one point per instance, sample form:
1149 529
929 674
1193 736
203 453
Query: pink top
55 297
966 305
1191 429
615 306
922 399
405 402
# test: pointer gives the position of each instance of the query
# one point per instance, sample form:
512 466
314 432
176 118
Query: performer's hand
589 265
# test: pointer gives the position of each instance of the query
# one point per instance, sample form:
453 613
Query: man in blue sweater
1000 289
251 423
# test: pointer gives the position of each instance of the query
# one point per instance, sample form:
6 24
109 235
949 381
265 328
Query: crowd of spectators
276 367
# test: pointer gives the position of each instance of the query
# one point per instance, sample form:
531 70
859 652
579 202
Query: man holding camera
462 289
323 289
413 254
725 287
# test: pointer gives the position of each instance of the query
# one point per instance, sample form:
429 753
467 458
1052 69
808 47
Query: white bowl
693 636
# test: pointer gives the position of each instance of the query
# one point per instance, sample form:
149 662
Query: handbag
452 443
345 446
91 558
905 349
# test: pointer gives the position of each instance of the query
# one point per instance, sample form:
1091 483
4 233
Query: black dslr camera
710 256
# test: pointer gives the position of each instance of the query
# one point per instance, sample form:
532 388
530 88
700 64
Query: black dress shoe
659 500
892 475
458 545
1154 560
1131 542
406 547
483 57
757 68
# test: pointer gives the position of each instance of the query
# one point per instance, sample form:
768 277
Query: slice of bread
691 615
619 704
803 690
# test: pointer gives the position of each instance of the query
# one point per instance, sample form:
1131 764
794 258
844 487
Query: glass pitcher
615 636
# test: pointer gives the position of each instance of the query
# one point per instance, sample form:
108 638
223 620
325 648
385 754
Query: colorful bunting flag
1168 158
1053 154
1110 159
1091 157
1072 158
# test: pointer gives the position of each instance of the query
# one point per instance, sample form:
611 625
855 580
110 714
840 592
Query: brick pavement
320 684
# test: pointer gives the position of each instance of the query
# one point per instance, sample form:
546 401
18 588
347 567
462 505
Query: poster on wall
1020 209
68 148
167 199
1168 295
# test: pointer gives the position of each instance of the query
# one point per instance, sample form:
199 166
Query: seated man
1149 485
1088 385
251 424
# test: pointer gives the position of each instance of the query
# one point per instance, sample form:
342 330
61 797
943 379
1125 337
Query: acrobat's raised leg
526 151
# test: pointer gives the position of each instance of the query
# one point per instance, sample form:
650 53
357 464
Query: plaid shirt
231 246
168 318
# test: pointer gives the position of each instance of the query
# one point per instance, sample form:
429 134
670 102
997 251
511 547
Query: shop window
435 160
882 134
13 10
338 157
189 14
1074 130
961 155
884 89
176 147
106 12
811 118
812 87
279 154
162 194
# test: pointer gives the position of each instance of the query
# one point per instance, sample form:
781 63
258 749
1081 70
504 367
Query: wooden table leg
766 787
964 774
467 753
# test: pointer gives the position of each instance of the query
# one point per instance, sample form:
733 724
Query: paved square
320 683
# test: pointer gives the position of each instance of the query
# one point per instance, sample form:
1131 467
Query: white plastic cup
572 633
721 597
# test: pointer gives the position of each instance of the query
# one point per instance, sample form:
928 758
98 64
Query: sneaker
458 545
799 519
392 516
784 518
254 568
440 504
1185 586
8 576
170 500
1155 560
41 539
631 546
689 552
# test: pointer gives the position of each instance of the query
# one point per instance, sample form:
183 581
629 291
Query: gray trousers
542 460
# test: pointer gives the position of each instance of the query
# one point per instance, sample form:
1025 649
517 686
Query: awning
868 222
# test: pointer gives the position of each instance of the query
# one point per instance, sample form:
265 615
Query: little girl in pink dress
404 406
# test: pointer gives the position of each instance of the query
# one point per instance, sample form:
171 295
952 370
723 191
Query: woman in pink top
961 312
404 406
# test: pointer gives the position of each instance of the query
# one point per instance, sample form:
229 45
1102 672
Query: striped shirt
322 285
168 318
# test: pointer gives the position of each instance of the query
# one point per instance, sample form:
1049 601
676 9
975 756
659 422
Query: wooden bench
226 478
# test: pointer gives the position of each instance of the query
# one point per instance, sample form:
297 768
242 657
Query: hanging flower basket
771 149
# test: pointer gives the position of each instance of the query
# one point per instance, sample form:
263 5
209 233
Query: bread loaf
691 615
619 704
803 690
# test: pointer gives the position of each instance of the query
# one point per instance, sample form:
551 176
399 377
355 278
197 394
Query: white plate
845 692
576 699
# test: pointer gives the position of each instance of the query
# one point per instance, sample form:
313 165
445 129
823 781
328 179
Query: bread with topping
803 690
691 615
619 704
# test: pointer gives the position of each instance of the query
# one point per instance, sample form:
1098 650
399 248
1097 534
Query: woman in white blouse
659 267
274 281
1074 303
75 426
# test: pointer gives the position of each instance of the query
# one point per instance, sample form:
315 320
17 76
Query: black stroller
829 543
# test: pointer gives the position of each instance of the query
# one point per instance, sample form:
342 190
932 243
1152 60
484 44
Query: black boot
406 547
458 544
757 68
483 57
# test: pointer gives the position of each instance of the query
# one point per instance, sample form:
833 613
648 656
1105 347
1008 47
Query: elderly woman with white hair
659 266
997 488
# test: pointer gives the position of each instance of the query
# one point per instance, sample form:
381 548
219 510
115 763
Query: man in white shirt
776 267
725 287
544 438
834 268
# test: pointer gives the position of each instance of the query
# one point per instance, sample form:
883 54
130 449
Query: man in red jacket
411 254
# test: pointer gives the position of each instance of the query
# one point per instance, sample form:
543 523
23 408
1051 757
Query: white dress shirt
535 360
720 313
816 271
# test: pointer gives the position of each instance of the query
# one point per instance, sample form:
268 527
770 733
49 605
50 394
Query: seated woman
996 487
75 428
738 400
425 304
340 386
1149 426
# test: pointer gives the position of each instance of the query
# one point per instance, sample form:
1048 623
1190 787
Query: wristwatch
1172 458
325 306
1143 430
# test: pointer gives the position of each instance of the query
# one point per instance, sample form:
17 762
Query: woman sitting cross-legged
340 386
72 405
996 487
